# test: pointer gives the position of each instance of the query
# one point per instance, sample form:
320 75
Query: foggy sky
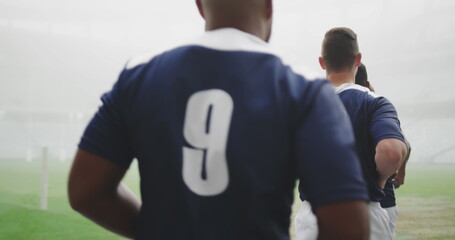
58 56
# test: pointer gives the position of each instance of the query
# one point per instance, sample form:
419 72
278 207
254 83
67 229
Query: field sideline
426 203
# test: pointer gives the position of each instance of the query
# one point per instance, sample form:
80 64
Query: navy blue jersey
389 191
373 118
221 130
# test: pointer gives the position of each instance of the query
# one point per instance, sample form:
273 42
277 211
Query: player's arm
95 191
329 170
94 186
334 224
390 148
399 178
390 154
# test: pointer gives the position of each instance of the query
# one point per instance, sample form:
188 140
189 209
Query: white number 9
206 129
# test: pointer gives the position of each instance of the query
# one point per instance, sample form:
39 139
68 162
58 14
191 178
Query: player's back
217 128
216 106
370 116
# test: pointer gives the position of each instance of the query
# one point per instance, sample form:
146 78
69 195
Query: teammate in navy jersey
221 130
394 181
380 143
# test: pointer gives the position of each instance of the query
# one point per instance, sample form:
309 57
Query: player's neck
256 28
337 79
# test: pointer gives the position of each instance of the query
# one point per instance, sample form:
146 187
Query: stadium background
58 56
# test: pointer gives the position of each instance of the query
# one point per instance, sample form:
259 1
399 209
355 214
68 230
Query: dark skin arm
95 191
333 224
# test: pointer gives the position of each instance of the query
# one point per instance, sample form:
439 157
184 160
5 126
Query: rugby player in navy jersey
380 143
221 130
396 180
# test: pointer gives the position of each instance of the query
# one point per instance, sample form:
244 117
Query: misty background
57 57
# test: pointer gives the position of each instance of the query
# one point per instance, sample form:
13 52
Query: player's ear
200 8
321 62
358 59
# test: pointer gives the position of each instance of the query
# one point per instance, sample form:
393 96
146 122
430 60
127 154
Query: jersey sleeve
328 167
384 121
105 135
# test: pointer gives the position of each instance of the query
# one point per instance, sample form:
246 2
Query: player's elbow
78 200
391 153
76 204
80 196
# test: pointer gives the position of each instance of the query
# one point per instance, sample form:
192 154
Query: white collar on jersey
224 39
231 39
348 86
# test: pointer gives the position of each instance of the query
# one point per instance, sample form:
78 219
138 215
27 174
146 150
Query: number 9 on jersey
206 128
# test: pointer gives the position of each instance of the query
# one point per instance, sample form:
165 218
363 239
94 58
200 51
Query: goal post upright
44 179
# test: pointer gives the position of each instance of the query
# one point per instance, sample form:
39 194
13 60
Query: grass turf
20 215
429 181
426 203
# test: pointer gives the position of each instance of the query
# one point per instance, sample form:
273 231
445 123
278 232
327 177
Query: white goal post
44 179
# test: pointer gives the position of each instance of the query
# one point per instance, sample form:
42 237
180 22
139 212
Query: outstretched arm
95 191
390 154
332 222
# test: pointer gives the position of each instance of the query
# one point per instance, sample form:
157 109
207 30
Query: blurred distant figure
221 130
380 143
361 77
396 180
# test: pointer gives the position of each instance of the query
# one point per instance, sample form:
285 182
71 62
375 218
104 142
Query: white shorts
379 222
393 213
306 227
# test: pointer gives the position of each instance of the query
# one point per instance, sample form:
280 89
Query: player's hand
398 180
381 182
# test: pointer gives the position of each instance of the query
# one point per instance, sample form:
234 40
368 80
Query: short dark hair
361 78
339 49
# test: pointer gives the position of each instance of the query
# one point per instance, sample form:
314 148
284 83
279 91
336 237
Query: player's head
361 77
252 16
340 51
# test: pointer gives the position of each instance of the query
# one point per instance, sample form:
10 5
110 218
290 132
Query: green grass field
426 203
20 215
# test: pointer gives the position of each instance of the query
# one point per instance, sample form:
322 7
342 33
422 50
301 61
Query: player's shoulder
301 87
148 59
355 89
147 64
361 94
226 40
380 101
379 105
139 60
319 86
305 94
